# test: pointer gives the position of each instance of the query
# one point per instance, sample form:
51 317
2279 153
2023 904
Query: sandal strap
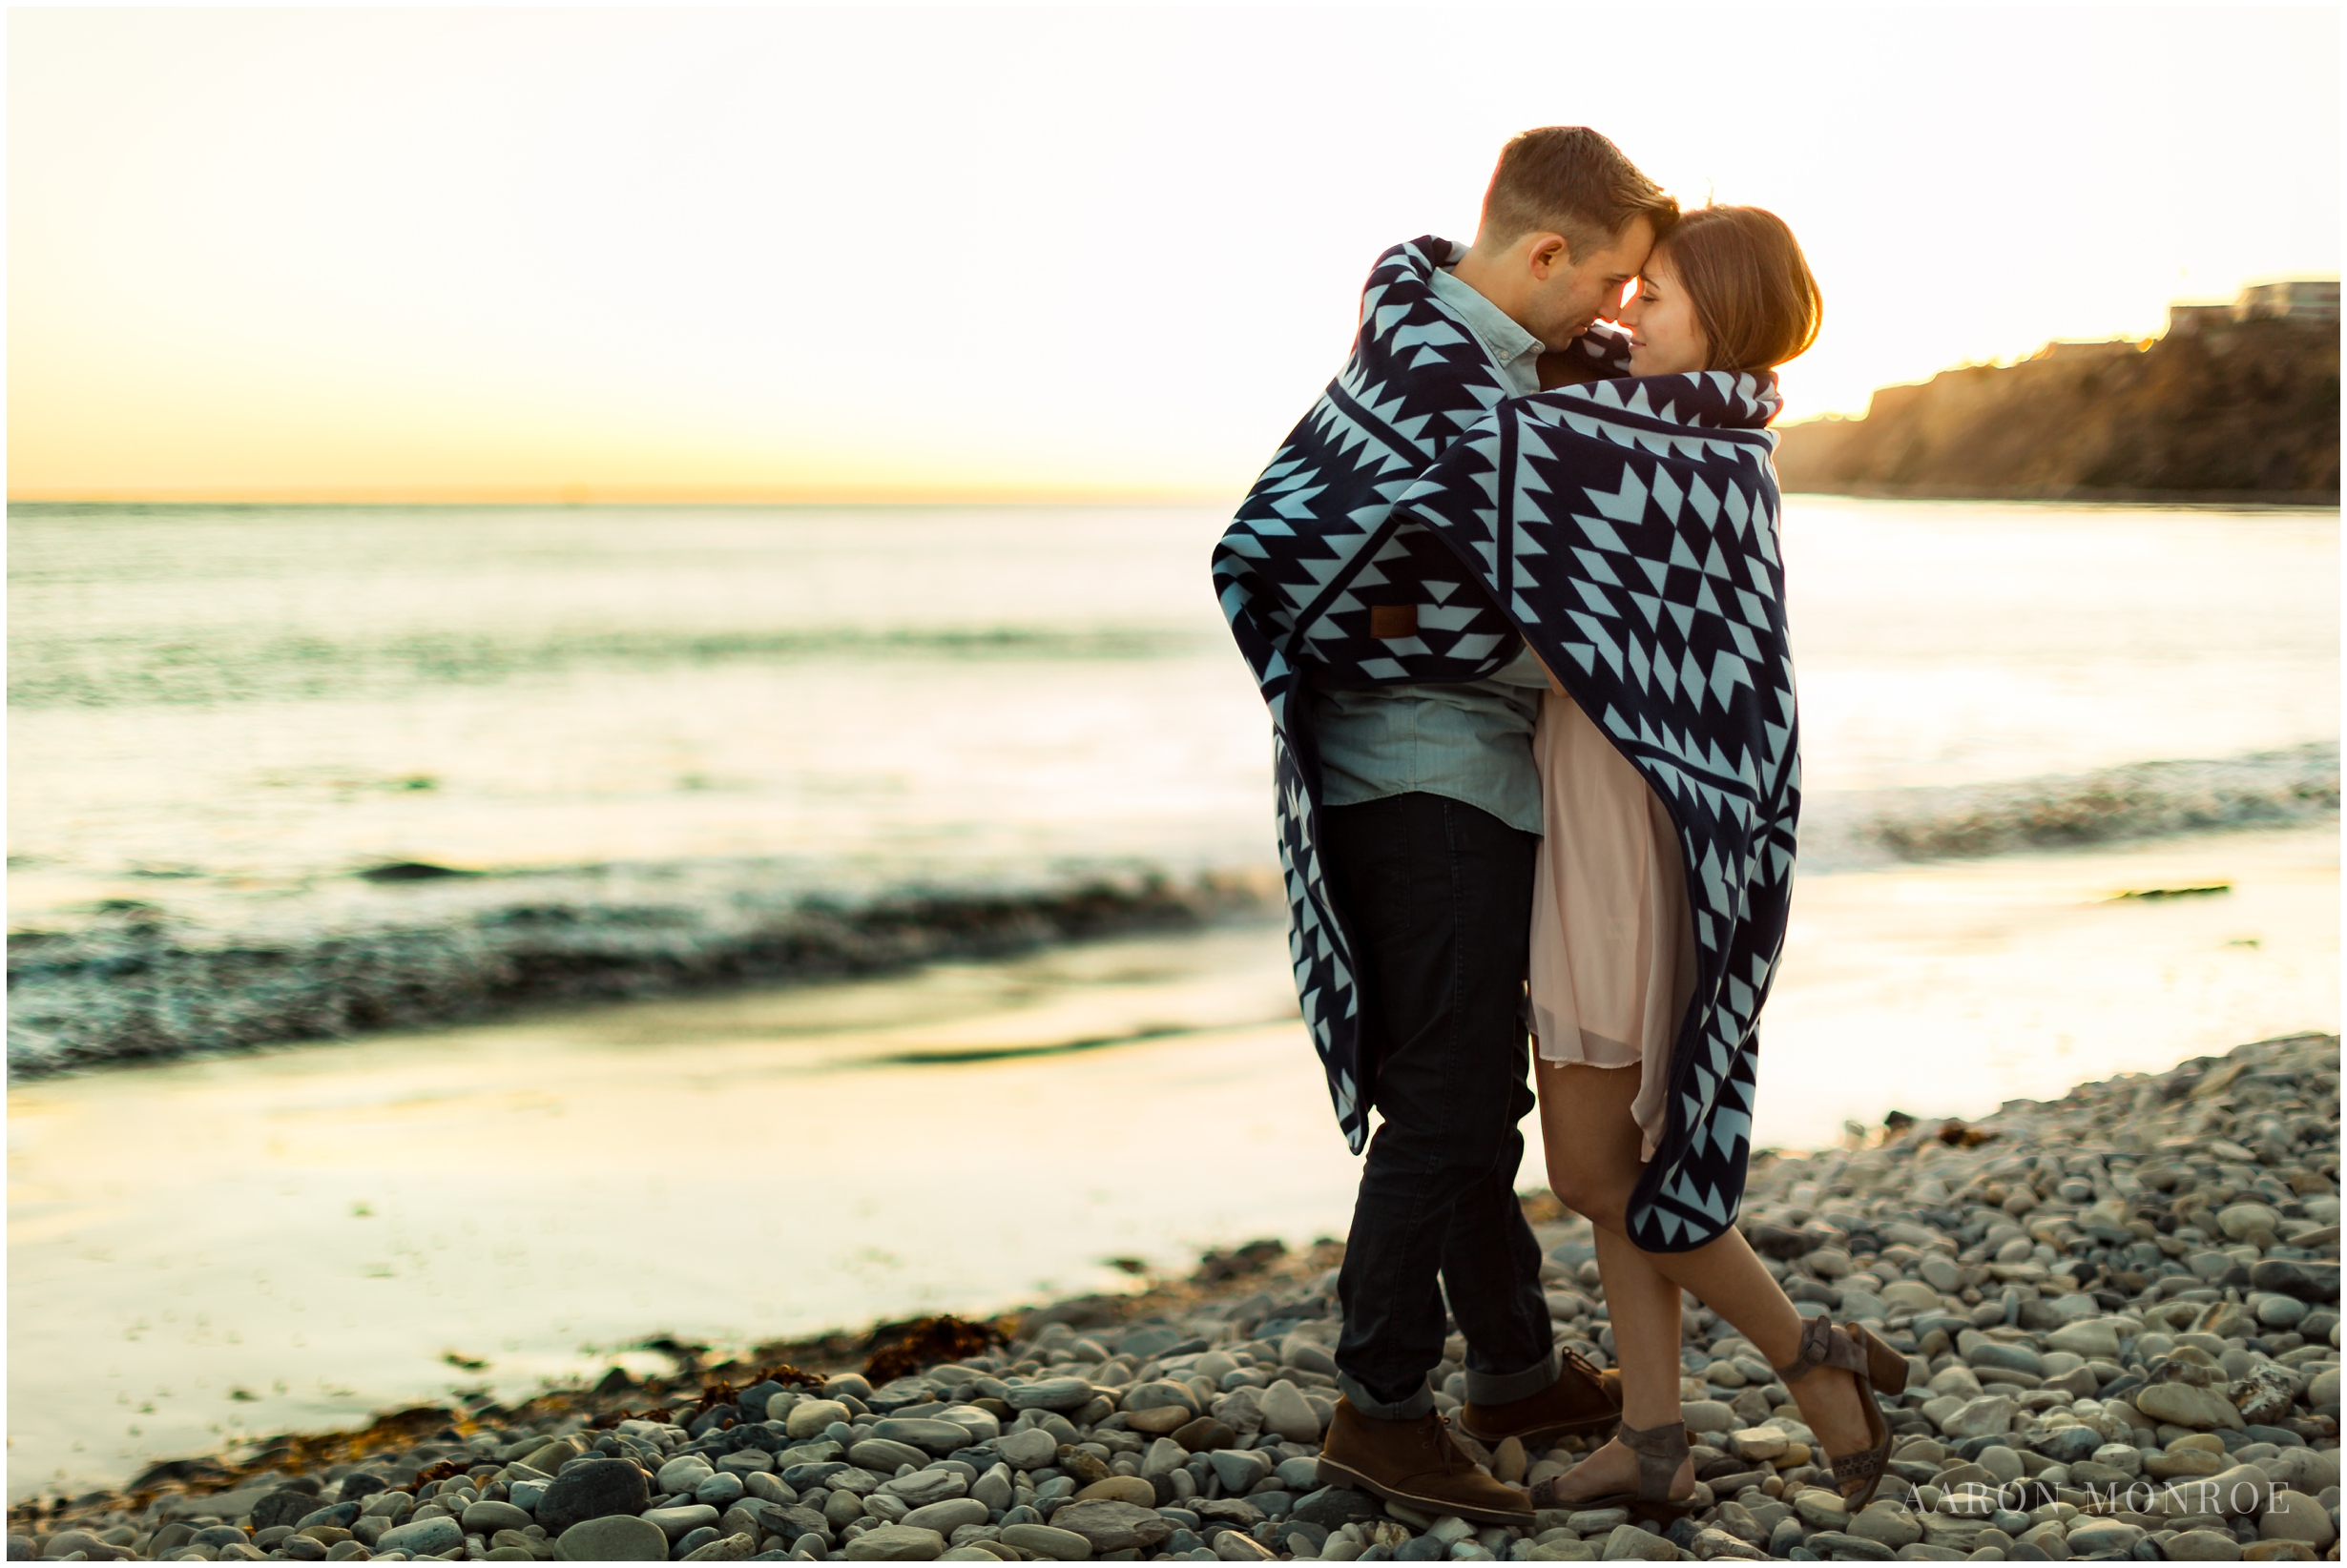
1822 1345
1857 1475
1660 1451
1856 1352
1862 1466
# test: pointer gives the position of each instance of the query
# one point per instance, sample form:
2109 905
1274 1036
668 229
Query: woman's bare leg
1642 1303
1594 1151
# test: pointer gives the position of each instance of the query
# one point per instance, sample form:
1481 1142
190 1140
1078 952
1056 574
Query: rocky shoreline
2120 1307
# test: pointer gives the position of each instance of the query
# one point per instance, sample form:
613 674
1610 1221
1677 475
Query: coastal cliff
2247 410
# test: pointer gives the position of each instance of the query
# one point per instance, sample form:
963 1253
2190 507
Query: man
1412 851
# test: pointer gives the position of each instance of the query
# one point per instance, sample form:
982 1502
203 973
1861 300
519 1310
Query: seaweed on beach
1214 1267
447 1469
785 1373
925 1340
715 1394
1962 1134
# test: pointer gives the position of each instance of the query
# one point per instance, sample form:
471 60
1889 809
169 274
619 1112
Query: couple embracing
1513 594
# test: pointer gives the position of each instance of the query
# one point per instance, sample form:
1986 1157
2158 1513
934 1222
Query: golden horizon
603 495
408 255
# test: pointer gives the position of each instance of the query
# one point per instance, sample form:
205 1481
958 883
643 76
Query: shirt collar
1514 350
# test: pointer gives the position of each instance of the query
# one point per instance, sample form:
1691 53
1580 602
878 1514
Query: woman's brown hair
1751 288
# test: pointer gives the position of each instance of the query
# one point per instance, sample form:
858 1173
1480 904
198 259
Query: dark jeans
1438 895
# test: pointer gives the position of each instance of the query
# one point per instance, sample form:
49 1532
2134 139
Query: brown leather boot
1415 1463
1581 1400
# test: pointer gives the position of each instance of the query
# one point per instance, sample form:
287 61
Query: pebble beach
2120 1311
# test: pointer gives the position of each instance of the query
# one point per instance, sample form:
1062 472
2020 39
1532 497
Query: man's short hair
1567 180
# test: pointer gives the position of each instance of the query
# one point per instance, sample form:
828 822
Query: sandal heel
1885 1367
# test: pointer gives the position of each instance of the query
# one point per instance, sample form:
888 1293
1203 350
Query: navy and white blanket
1626 531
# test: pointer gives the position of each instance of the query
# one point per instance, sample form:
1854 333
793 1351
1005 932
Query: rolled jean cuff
1385 1410
1506 1388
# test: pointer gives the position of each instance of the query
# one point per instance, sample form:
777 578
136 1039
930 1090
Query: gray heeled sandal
1660 1451
1878 1370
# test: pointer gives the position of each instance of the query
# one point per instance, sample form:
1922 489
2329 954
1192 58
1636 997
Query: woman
1612 969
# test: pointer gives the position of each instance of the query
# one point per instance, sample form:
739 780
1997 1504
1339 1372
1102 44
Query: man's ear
1548 253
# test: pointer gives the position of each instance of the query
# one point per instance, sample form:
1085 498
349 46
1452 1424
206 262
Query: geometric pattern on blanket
1630 530
1316 545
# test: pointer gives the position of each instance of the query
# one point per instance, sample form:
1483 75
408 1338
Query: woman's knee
1588 1188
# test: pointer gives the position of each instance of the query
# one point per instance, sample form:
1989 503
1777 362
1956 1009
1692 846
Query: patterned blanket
1416 522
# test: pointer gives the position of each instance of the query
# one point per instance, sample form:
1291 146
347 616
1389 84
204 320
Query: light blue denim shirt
1471 742
1515 351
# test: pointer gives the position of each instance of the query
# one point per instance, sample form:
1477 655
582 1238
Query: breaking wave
2141 800
422 946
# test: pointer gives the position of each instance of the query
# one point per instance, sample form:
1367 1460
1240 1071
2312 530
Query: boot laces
1435 1436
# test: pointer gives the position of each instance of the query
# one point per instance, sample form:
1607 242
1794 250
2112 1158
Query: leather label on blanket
1393 620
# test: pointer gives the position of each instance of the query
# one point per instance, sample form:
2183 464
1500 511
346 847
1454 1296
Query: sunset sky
908 254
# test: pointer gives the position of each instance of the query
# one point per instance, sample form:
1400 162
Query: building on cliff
2313 300
2310 300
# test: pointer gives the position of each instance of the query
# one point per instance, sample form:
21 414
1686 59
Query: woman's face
1665 336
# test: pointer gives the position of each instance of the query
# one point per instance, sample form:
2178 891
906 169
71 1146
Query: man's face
1574 293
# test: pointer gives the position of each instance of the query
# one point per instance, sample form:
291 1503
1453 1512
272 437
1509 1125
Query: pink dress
1614 960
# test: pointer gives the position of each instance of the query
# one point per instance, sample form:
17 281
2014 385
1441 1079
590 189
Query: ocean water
221 715
226 712
245 703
